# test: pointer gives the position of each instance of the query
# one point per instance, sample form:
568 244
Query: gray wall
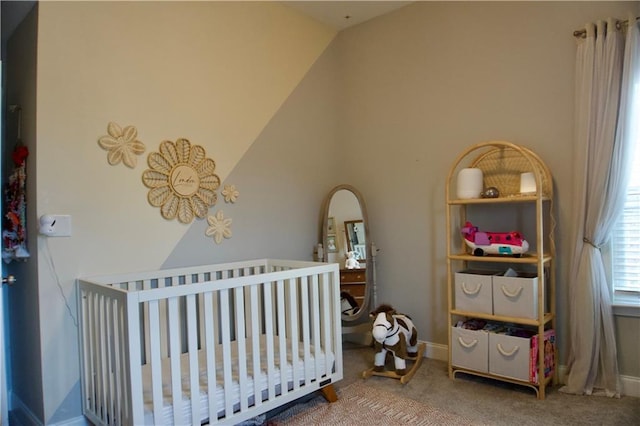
422 84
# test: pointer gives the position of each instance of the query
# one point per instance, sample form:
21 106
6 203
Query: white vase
527 183
470 184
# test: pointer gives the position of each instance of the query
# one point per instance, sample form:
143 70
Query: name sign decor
181 181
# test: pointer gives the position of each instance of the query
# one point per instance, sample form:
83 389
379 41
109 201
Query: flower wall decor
182 181
230 193
219 227
122 145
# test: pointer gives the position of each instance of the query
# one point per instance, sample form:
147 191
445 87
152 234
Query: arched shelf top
502 163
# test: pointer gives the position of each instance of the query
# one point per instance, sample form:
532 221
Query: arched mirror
345 231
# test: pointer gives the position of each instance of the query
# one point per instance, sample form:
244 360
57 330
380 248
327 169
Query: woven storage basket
503 164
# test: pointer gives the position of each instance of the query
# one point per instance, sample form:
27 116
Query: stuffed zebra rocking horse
394 333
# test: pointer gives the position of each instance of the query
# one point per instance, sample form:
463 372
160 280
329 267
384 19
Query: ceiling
344 14
337 14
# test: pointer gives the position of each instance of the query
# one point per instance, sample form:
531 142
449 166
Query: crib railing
174 326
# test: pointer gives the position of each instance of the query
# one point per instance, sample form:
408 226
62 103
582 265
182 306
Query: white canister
470 184
527 183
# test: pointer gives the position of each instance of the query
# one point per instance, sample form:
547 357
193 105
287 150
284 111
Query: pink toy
482 243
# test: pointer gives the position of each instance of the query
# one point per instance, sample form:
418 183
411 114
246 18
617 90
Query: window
625 243
625 240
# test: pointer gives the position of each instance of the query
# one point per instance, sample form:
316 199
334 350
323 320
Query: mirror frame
364 309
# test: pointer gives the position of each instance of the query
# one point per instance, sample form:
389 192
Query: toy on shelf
503 243
394 333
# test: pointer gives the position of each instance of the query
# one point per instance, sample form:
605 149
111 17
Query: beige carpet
359 404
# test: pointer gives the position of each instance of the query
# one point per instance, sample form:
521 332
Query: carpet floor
371 406
468 399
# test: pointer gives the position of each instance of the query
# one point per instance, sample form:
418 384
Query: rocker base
392 374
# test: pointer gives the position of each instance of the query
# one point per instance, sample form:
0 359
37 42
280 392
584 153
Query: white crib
214 344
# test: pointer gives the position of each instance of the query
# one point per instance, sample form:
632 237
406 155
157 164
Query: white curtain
606 76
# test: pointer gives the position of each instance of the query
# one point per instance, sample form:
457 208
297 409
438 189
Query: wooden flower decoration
230 193
122 145
182 181
219 227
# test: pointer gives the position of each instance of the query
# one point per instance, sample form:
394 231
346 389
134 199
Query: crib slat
109 394
156 362
294 336
241 342
174 354
146 285
164 340
124 370
304 306
90 397
334 286
118 339
247 272
326 319
255 345
315 305
282 335
268 331
133 370
192 333
226 353
211 356
101 367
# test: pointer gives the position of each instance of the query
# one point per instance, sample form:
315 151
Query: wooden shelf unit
502 163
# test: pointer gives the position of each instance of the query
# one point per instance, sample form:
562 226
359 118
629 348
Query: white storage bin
516 296
473 291
469 349
509 356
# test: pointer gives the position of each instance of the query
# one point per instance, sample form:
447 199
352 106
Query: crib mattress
301 368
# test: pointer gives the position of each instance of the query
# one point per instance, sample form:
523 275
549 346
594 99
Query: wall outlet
55 225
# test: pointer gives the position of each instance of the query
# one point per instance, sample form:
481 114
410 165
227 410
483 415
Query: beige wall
212 72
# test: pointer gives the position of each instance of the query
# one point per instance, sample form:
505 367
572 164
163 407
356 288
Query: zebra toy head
384 323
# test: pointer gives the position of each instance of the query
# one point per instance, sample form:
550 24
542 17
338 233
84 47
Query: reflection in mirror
345 229
356 241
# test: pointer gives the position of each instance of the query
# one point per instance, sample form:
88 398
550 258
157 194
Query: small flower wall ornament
230 193
219 227
122 145
182 181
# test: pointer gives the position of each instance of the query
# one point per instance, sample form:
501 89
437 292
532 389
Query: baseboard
76 421
562 374
630 384
21 410
436 351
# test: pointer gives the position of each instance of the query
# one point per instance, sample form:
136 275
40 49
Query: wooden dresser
354 281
